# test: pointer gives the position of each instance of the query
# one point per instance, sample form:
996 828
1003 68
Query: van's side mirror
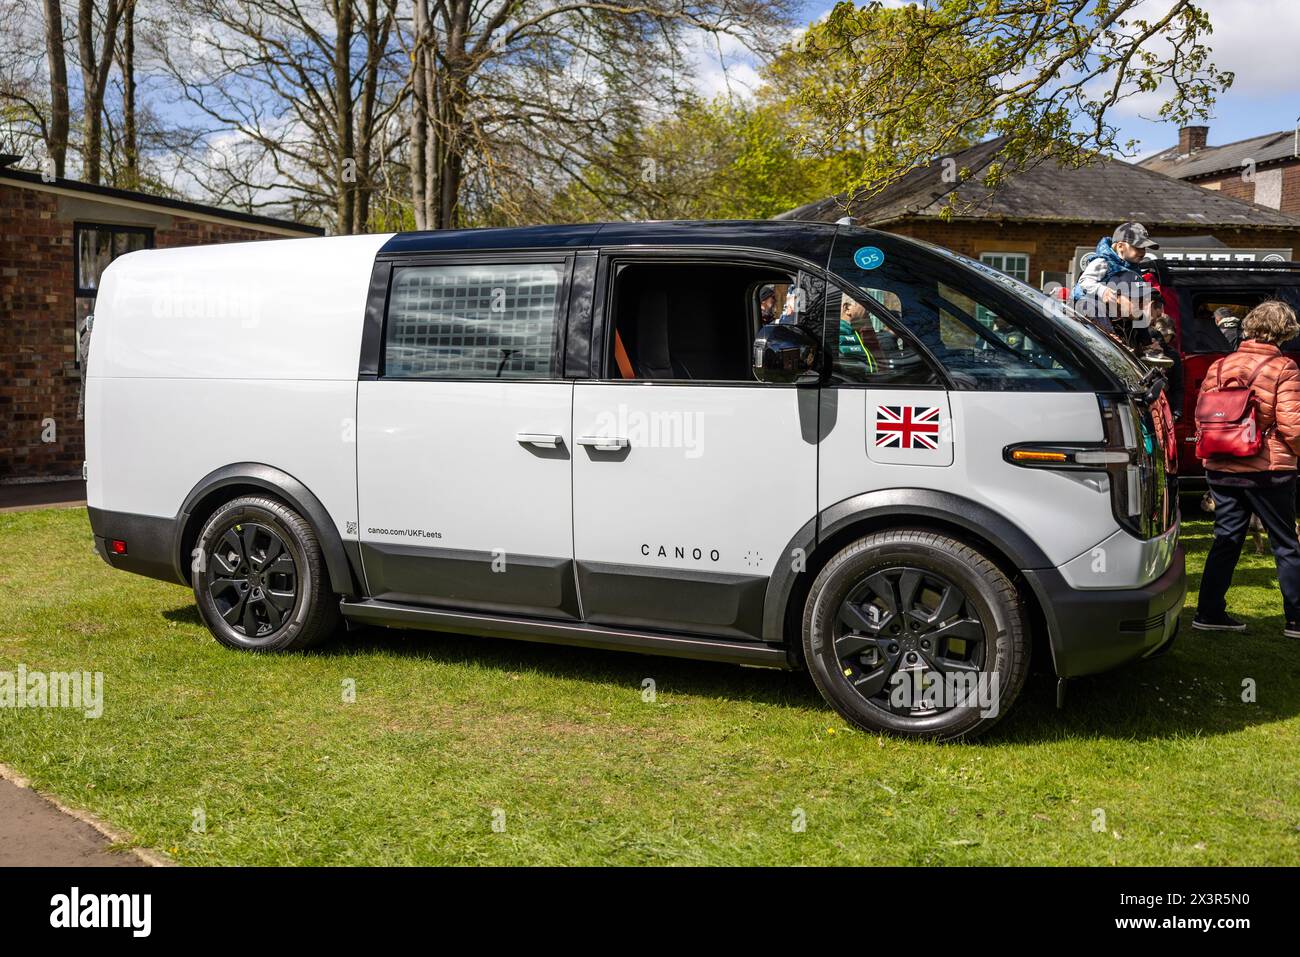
785 353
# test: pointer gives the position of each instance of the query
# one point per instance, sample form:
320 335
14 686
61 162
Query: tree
302 98
727 158
511 98
130 130
56 135
922 80
97 117
34 82
95 64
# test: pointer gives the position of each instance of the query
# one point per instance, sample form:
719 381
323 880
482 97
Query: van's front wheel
911 632
259 578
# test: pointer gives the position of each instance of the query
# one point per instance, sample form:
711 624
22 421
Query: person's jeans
1233 506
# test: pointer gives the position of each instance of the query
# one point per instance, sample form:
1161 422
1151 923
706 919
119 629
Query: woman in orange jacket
1265 483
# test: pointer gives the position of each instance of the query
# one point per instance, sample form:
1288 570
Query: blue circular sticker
868 257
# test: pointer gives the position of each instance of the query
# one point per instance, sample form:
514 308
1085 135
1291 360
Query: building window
1015 265
97 246
93 248
473 322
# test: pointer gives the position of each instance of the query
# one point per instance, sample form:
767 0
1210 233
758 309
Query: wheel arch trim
901 506
284 486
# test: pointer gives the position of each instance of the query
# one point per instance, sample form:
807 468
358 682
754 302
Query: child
1110 275
1160 342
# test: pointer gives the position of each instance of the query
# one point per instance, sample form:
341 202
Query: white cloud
735 79
1258 41
721 64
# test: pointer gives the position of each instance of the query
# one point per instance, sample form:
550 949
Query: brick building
1033 224
1263 169
55 239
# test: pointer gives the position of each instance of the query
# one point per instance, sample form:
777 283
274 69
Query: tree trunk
422 44
432 85
449 131
376 37
58 66
345 158
130 142
94 78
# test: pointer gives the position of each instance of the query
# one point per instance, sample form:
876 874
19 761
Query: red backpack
1227 419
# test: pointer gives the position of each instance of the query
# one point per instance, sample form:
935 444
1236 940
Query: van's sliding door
464 440
691 478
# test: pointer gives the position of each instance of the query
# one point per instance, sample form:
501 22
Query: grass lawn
447 732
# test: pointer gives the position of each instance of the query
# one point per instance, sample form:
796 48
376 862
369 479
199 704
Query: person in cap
767 304
1229 323
1109 283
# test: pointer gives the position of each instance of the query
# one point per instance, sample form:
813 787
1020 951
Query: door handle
604 443
543 440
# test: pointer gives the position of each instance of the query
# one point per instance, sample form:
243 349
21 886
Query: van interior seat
666 320
653 359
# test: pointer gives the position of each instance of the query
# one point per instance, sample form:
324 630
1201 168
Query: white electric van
786 444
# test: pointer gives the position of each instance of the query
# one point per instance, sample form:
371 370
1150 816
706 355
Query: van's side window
980 346
868 350
490 321
697 320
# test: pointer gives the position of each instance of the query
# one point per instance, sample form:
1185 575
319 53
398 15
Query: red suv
1192 291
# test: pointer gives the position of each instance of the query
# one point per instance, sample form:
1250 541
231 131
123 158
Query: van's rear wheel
914 633
260 580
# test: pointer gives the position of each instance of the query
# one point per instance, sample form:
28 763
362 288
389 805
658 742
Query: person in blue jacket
1108 285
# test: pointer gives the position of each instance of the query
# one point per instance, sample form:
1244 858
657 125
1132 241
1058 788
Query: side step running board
564 633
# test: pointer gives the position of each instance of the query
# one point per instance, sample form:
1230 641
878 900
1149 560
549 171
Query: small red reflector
117 546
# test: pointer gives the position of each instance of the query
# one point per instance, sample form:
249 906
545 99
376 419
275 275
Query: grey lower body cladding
1096 630
624 596
568 633
151 543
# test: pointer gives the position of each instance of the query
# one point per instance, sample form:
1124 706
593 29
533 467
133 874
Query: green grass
445 730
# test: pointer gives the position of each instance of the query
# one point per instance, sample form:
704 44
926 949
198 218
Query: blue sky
1259 40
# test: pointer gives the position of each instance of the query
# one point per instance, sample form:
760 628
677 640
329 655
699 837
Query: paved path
29 495
35 833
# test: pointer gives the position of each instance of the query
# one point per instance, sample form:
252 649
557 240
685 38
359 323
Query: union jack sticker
907 426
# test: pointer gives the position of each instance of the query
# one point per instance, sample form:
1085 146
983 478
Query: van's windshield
1114 356
1047 346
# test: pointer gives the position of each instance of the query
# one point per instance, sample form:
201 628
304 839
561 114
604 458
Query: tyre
913 633
260 580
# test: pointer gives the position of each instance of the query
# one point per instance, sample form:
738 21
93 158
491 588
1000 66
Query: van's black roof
806 239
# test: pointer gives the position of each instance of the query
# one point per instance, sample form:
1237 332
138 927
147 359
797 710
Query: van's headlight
1130 456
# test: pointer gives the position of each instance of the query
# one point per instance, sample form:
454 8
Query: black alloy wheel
910 631
905 621
260 579
252 579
